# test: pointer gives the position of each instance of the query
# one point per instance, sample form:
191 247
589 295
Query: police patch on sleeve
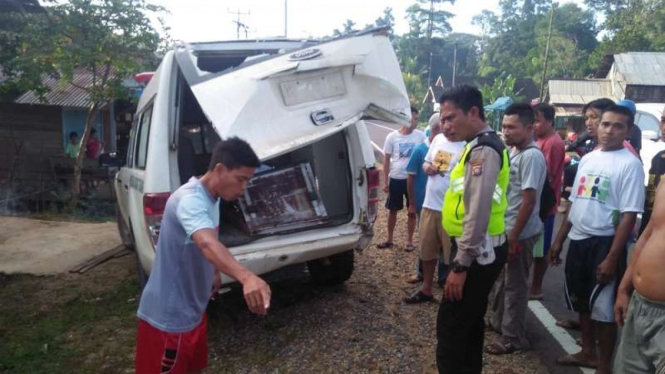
477 168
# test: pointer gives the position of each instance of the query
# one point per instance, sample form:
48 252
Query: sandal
414 279
569 324
418 297
498 348
385 245
572 360
409 248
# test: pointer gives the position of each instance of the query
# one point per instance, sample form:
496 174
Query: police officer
473 215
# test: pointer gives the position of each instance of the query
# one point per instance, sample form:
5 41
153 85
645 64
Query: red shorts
167 352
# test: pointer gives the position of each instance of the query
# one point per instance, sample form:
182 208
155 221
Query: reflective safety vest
452 216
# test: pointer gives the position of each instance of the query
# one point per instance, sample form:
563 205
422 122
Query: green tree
414 82
502 87
630 25
108 39
387 20
348 27
514 40
435 20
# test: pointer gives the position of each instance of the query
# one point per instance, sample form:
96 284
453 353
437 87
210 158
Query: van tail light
153 211
373 185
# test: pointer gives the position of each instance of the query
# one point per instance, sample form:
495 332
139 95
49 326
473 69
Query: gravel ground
359 327
85 323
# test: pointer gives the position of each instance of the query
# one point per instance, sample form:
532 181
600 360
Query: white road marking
377 148
381 126
560 334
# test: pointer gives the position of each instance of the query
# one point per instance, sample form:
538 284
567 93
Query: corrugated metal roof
641 68
578 92
62 94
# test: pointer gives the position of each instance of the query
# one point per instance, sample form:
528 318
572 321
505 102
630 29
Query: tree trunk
78 164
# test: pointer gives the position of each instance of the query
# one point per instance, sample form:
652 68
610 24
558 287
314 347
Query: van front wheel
332 270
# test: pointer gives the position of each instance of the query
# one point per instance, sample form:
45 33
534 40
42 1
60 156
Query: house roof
434 92
526 88
637 68
642 68
578 92
60 93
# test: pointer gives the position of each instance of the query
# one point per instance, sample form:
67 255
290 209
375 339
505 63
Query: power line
239 24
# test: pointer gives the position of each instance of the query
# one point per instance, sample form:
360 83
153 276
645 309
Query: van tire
140 271
126 234
332 270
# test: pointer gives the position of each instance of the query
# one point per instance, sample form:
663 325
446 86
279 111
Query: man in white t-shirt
607 195
440 159
397 149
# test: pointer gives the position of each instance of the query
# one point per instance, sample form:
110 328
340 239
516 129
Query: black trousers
460 325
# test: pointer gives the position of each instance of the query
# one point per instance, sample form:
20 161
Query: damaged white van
301 105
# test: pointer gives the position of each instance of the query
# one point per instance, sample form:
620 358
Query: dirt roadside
86 323
50 247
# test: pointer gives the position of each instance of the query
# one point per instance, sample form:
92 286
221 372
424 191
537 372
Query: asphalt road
546 339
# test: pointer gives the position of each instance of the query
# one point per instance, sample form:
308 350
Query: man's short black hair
524 112
600 104
620 109
546 110
234 153
93 131
73 134
464 97
414 109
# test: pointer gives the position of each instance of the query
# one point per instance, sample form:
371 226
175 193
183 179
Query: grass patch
81 332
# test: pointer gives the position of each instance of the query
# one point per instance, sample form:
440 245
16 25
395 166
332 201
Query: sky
212 20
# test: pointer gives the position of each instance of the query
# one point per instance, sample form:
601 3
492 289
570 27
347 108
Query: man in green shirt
72 148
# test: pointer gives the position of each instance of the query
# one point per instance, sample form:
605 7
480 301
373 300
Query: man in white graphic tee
397 149
607 195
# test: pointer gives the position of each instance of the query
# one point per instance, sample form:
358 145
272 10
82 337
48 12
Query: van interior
305 188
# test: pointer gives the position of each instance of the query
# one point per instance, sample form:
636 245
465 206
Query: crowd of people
485 209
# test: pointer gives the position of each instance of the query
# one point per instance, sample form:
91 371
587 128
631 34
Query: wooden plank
115 252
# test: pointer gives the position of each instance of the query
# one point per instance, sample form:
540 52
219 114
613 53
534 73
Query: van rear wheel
140 271
126 234
332 270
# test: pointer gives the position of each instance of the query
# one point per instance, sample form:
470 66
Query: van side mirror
111 160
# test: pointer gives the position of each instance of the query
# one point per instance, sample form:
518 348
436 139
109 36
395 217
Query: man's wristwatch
456 267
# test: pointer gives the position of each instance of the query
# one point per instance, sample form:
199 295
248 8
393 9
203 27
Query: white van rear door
293 100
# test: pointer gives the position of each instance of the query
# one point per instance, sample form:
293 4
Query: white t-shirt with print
606 185
443 154
400 147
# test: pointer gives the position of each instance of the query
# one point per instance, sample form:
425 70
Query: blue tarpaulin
500 104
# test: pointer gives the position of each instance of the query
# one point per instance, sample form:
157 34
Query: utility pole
239 24
286 16
430 29
454 64
429 70
547 54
